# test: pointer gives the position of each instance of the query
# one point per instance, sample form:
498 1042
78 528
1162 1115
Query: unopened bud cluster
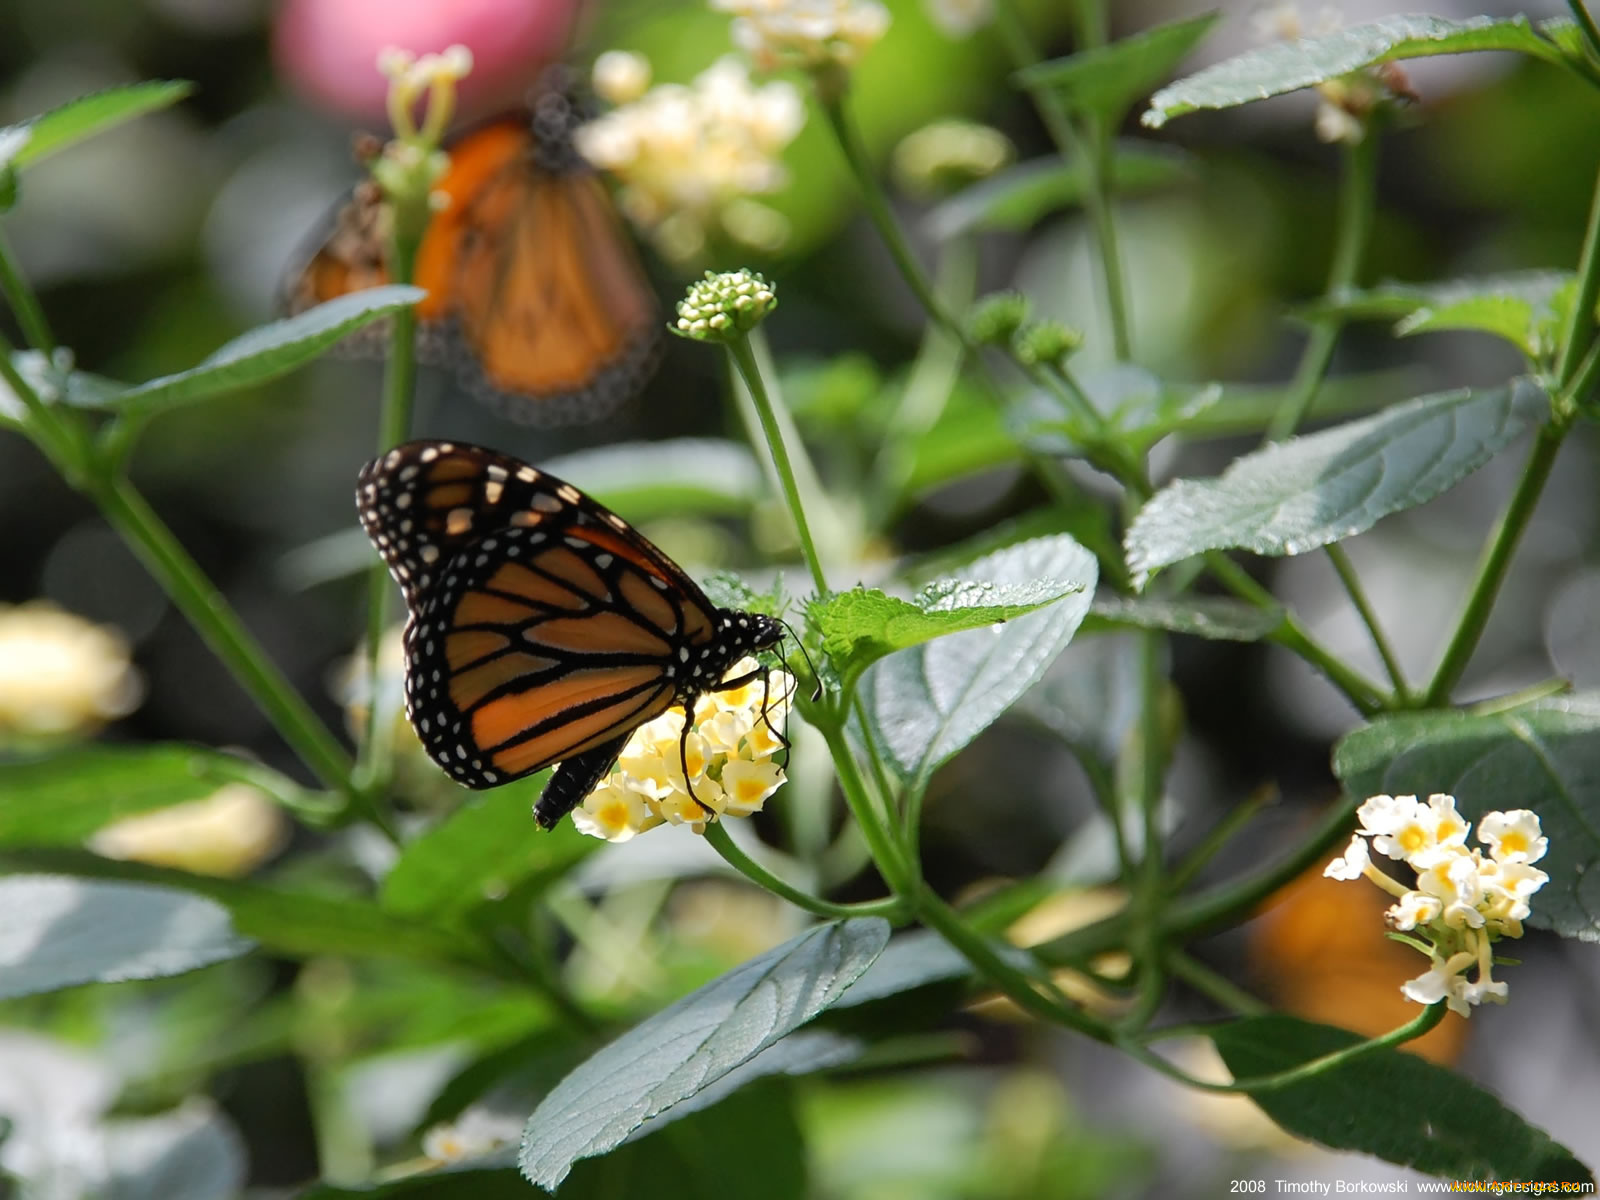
719 308
1002 319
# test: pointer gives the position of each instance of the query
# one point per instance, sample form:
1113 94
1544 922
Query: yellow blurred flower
228 834
728 752
945 156
61 675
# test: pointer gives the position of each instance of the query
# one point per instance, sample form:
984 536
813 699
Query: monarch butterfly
535 293
543 627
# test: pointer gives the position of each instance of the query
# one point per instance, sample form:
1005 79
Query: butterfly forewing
543 627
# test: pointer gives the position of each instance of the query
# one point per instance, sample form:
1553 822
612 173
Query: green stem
992 965
206 609
898 870
877 206
745 360
1369 617
1591 34
1580 325
1149 890
1278 1080
1358 195
895 908
1209 983
1492 566
1093 152
1215 839
394 427
23 302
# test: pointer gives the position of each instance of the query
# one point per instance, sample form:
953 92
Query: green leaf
928 702
671 478
1020 196
295 923
910 960
1390 1104
26 143
1544 756
1105 81
61 800
59 932
863 625
268 351
482 850
1520 306
1314 490
1218 618
689 1045
1305 62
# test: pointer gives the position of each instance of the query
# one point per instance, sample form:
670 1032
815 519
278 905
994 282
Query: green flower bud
720 308
1047 342
993 319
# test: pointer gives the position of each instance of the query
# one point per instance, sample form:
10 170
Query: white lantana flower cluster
687 158
805 33
729 751
1463 902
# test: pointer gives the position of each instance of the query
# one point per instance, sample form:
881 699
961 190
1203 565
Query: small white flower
746 785
614 813
1352 864
475 1133
620 76
805 33
1513 836
959 18
1436 984
1413 909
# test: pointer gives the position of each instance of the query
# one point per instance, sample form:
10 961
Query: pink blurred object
328 49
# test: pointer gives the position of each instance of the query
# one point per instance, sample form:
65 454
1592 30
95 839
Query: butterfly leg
574 779
683 761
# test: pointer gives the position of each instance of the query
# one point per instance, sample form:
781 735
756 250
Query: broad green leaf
1390 1104
482 850
928 702
1219 618
60 800
1314 490
1521 306
1020 196
30 141
970 437
268 351
670 478
1305 62
862 625
1543 756
1106 80
190 1153
295 923
689 1045
910 960
1090 698
59 931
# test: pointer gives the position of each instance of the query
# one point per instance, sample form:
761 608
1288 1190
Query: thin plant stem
1493 564
1591 34
745 360
877 206
23 302
1017 985
1213 985
893 907
899 870
1278 1080
1358 196
211 615
394 427
1218 836
1579 331
1369 617
1091 152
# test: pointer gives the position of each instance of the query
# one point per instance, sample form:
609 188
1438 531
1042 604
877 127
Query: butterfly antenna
816 693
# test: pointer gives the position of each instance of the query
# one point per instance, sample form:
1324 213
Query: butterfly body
543 628
535 294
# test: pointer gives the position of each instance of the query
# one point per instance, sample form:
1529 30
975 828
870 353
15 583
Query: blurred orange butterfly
535 294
